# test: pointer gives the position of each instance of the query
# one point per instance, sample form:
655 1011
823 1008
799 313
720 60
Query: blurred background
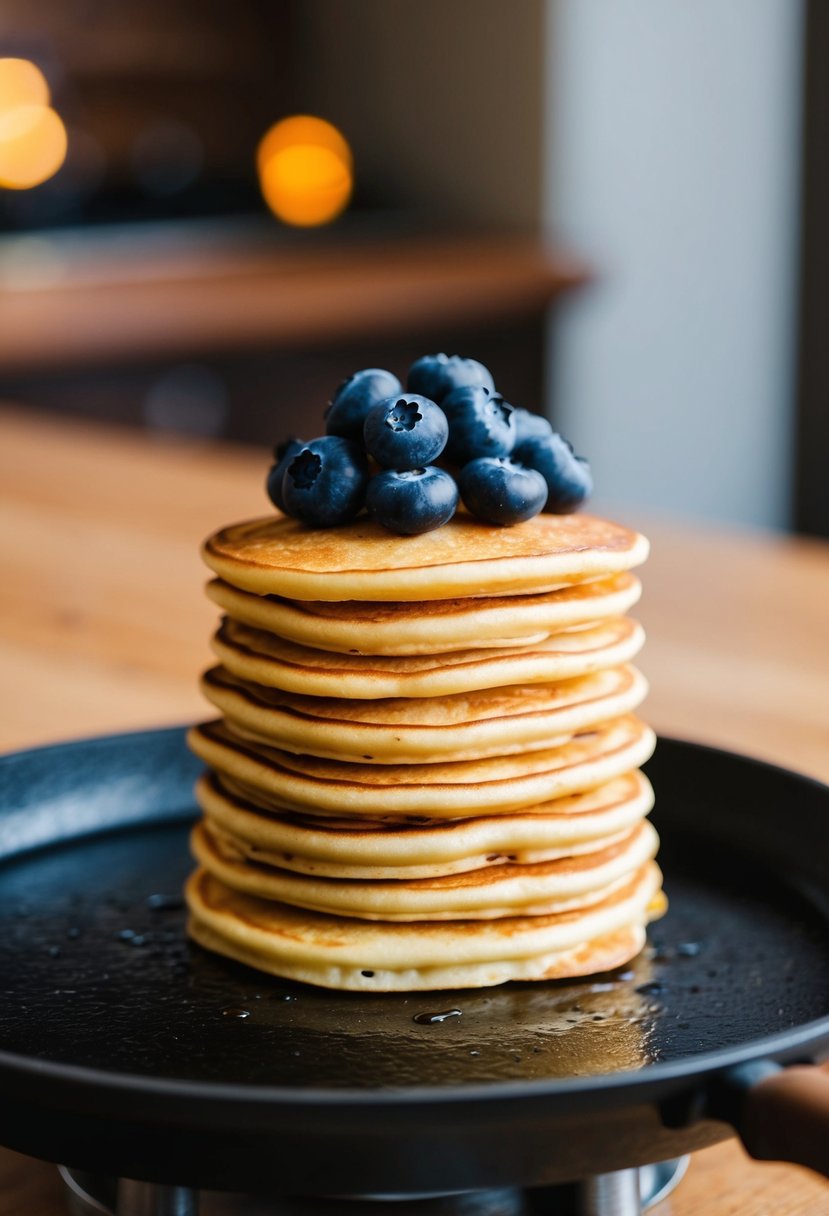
211 213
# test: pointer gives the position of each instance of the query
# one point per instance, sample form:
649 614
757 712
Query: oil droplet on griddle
651 988
432 1019
235 1011
160 902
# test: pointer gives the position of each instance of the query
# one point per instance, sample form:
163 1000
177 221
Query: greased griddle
125 1048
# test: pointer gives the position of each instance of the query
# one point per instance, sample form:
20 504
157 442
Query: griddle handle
782 1114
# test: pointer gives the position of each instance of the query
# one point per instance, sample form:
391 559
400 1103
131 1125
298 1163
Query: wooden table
103 627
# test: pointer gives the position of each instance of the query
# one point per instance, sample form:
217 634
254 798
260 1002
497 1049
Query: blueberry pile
382 444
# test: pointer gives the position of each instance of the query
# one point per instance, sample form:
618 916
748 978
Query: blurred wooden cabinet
247 339
176 301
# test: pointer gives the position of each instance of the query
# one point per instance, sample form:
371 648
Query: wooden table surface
103 628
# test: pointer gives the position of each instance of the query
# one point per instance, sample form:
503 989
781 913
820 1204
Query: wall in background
672 163
441 101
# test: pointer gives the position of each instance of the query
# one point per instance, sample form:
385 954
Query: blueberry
355 397
480 424
325 482
437 375
415 500
405 432
501 492
530 426
282 456
567 476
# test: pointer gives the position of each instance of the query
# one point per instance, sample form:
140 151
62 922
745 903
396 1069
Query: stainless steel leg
149 1199
614 1194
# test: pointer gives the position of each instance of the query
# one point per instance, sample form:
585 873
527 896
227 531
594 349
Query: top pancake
363 561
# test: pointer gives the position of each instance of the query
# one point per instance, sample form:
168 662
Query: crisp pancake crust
442 791
464 726
340 952
354 848
430 626
363 561
509 889
263 658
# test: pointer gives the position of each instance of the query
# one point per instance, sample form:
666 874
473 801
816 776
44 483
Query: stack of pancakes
425 774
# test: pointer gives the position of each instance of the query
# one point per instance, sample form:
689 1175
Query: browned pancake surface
364 561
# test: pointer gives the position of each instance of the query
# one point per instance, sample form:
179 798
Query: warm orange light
21 84
305 170
302 129
32 137
32 146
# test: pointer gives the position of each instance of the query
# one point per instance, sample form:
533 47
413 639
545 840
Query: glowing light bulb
305 170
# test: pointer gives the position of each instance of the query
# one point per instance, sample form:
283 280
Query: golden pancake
263 658
431 626
557 739
509 889
363 561
354 848
375 956
426 771
447 790
463 726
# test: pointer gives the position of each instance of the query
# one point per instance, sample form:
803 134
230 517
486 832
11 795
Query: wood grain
103 627
146 302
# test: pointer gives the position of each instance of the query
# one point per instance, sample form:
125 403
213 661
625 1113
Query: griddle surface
95 970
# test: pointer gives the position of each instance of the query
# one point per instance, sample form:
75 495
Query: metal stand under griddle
625 1193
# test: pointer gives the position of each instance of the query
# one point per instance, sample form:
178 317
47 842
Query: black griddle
126 1049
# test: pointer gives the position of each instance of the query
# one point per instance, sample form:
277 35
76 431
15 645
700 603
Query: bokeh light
303 129
305 170
33 140
21 84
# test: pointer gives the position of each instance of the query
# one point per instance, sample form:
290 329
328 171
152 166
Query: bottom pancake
342 953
